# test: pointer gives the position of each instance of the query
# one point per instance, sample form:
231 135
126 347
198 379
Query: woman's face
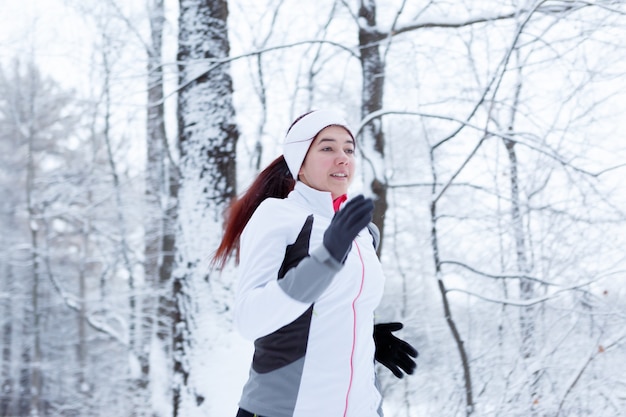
329 162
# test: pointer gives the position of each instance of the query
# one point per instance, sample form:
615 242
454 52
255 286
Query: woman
310 281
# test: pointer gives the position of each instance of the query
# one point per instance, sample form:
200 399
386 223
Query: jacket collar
319 202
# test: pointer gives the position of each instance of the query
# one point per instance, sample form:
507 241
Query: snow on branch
498 276
545 7
524 303
72 302
217 62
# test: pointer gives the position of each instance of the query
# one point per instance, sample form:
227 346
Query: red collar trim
338 201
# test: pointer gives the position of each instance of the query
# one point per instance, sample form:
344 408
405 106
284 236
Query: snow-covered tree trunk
372 92
156 141
207 141
6 374
81 319
33 317
120 216
443 290
8 275
522 264
526 285
165 309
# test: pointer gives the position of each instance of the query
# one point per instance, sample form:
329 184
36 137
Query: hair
275 181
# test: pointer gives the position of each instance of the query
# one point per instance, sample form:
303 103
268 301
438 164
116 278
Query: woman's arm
280 277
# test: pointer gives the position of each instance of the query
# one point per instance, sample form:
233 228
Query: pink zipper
345 411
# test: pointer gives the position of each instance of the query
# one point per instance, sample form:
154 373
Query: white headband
301 135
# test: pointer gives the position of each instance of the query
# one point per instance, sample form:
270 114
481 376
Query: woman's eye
349 151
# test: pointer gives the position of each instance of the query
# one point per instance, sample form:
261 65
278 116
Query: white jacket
310 316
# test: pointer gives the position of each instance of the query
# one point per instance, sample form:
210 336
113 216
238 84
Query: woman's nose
342 158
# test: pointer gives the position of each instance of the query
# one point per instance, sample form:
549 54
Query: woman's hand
346 225
392 352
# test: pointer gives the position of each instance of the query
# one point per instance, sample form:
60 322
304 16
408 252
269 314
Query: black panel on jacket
298 250
287 344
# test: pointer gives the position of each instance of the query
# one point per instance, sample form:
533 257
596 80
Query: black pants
244 413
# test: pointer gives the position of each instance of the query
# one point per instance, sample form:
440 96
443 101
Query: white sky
52 32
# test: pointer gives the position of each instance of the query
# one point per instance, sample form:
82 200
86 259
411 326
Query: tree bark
6 372
34 355
526 286
372 92
443 291
156 141
207 144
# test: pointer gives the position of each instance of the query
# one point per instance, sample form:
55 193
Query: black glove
392 352
346 225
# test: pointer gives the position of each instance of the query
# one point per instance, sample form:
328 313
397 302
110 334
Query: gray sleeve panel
308 280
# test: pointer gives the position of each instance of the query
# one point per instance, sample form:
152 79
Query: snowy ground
232 360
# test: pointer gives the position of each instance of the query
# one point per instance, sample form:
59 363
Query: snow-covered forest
490 133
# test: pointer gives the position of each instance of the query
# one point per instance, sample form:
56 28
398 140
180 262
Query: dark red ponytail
275 181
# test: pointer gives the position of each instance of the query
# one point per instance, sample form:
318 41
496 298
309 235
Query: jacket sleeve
264 303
